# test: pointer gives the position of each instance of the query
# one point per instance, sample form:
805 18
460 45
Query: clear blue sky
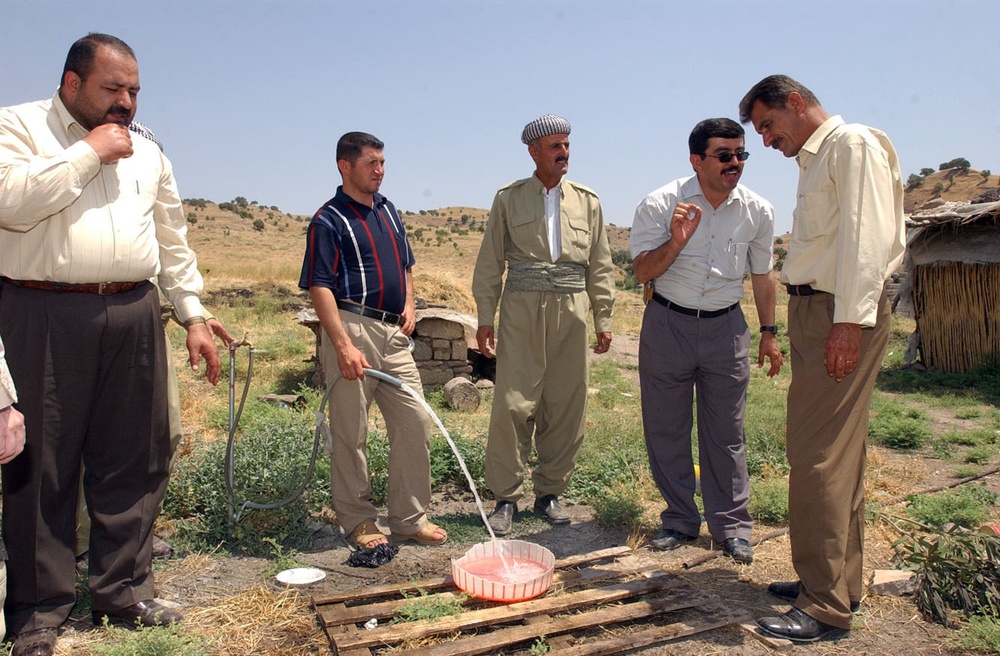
249 97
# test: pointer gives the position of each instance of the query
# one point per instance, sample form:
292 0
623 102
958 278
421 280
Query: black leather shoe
502 517
799 627
669 539
738 549
548 506
789 591
147 613
38 642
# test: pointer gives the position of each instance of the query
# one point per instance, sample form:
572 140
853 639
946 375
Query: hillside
950 185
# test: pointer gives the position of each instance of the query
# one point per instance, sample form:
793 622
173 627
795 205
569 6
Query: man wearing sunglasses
695 238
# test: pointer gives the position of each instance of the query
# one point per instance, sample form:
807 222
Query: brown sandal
427 536
366 536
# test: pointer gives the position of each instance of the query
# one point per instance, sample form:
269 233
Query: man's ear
71 83
796 103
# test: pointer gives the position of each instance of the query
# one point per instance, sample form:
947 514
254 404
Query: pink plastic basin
481 572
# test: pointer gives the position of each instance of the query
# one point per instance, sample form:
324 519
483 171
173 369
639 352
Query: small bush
980 633
896 429
969 506
979 455
769 500
148 641
620 507
258 225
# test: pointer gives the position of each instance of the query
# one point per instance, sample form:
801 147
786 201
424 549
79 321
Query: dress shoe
668 539
39 642
789 591
799 627
502 517
147 613
548 506
738 549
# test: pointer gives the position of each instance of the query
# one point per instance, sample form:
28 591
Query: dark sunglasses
725 158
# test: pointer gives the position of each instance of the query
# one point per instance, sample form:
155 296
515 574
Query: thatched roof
954 232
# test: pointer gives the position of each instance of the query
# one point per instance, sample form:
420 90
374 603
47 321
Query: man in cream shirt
11 444
848 236
87 216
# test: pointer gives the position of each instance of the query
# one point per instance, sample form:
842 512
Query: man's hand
409 320
11 434
220 331
200 344
769 348
843 349
351 361
487 341
603 343
684 222
111 142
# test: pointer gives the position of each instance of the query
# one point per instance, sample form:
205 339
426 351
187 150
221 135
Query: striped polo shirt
359 252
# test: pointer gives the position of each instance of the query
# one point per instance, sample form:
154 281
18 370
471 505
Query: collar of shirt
692 188
70 125
816 139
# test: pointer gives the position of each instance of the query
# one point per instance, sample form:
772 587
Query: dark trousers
679 355
826 445
90 375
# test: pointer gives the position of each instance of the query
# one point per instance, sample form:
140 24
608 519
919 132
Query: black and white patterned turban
543 126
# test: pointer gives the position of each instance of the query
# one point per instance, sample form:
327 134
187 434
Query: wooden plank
340 613
507 613
719 617
546 625
375 591
771 642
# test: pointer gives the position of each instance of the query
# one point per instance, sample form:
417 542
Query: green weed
980 633
149 641
426 607
896 427
769 500
619 507
968 506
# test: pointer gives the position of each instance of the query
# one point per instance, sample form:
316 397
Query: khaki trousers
541 390
826 442
407 425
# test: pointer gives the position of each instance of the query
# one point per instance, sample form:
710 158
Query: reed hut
953 275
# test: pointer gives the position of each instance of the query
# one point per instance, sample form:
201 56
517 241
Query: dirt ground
885 625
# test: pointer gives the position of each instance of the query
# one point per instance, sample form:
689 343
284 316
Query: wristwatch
769 329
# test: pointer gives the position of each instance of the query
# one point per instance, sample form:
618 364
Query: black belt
102 288
371 313
801 290
701 314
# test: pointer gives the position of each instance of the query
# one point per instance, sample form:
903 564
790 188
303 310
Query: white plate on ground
300 576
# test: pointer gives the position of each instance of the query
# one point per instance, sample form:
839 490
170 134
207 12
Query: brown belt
102 288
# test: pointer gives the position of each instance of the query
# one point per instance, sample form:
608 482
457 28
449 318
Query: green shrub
272 452
895 428
968 506
769 500
980 633
149 641
979 455
619 507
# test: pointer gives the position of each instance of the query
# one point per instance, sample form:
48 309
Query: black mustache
731 168
118 110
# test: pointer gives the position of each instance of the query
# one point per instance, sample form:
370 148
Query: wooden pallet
597 589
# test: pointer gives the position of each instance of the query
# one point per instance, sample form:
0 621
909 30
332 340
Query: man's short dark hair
350 145
773 92
725 128
80 59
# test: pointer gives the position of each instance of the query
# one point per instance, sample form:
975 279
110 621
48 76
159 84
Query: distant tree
258 225
253 202
192 218
986 174
275 208
779 257
914 181
957 163
240 201
938 188
423 212
926 172
779 240
227 207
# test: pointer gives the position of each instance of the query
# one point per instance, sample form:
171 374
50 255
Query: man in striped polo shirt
358 270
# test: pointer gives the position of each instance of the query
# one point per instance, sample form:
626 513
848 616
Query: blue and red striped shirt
359 252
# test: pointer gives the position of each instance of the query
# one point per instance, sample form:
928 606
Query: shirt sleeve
179 277
487 279
319 265
863 178
8 393
761 248
34 187
650 225
600 273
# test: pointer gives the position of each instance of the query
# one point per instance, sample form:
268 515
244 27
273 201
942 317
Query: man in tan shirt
87 216
848 237
550 233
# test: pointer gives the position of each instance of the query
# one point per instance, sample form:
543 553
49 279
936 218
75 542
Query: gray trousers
679 355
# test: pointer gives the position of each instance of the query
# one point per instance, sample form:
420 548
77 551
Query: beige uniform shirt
516 230
848 232
65 217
